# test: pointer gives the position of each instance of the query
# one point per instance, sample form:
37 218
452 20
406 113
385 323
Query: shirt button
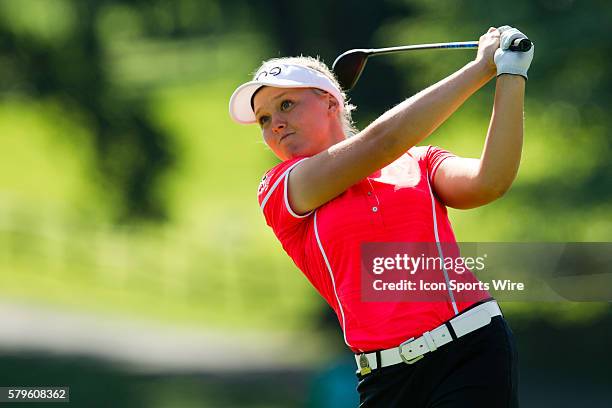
374 209
369 193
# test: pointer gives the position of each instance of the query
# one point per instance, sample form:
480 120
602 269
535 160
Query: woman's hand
487 45
512 62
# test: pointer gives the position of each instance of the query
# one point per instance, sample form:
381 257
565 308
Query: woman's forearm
501 154
413 120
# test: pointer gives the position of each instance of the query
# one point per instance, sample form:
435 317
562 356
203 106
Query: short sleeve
273 200
434 157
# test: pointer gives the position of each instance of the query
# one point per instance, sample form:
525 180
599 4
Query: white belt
413 349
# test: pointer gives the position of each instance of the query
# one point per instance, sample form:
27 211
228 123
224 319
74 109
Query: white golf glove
512 62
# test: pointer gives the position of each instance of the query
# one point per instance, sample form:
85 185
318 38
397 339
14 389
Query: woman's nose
278 125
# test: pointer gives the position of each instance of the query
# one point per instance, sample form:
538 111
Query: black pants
479 369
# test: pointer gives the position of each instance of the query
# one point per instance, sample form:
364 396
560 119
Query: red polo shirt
392 205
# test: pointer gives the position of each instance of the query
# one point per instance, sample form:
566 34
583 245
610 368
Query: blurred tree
132 151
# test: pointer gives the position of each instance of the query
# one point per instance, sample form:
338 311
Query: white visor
278 76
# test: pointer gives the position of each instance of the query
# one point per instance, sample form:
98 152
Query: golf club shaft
388 50
520 44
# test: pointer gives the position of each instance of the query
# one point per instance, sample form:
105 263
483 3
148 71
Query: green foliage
47 21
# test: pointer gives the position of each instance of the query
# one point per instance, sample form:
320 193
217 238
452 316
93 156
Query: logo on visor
274 71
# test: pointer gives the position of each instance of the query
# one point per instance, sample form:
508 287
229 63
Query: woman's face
296 121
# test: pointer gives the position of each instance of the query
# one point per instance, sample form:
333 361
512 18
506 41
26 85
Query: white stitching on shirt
440 253
289 209
316 229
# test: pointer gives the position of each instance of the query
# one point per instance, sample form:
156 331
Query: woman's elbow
489 192
482 195
476 198
477 193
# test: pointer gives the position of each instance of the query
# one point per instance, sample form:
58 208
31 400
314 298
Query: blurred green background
127 194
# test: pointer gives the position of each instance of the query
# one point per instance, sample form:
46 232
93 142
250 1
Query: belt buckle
364 365
401 353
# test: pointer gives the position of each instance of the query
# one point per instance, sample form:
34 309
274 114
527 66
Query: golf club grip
520 44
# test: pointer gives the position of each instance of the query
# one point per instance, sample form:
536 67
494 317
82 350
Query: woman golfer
336 190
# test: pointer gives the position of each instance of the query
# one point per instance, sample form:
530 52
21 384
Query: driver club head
349 66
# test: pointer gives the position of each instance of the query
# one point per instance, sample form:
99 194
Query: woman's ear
332 103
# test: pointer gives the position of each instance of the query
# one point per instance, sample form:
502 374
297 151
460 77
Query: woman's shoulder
271 176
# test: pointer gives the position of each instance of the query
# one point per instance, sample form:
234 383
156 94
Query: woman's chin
292 150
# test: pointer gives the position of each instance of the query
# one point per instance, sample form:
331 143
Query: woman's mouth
285 136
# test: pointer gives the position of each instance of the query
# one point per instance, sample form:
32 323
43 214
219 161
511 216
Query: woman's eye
286 104
263 120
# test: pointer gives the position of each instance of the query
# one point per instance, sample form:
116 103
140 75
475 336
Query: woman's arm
468 183
329 173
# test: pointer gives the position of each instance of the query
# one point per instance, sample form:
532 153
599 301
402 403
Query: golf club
349 65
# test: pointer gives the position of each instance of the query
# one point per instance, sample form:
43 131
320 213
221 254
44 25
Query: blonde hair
348 125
